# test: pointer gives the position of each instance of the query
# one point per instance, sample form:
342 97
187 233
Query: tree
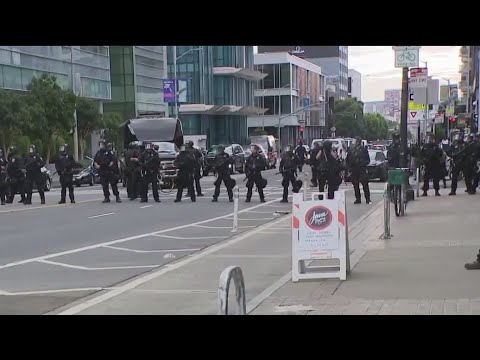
14 116
376 127
51 110
259 131
88 120
112 131
348 117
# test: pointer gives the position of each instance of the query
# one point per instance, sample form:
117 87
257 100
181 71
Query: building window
285 75
268 81
269 104
12 77
96 49
285 104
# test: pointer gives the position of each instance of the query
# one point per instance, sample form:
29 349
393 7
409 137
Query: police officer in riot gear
431 156
301 153
107 165
469 170
132 160
15 175
476 159
288 168
314 163
221 165
357 162
33 175
3 177
254 166
329 169
197 169
458 152
150 161
64 166
186 163
393 152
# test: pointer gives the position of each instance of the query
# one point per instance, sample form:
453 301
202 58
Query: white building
354 84
291 82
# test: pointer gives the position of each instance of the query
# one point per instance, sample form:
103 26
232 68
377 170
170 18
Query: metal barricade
235 273
305 182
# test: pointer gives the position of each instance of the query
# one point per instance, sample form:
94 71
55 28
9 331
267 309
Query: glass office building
86 69
137 74
220 90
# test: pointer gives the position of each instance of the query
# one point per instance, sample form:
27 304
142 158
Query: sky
376 64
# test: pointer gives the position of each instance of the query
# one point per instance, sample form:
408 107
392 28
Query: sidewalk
419 271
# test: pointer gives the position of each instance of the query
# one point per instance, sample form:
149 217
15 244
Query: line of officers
143 164
464 155
20 174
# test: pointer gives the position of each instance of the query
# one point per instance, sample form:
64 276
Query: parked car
234 150
378 167
88 175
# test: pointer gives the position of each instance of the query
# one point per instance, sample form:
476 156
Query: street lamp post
75 126
280 118
175 58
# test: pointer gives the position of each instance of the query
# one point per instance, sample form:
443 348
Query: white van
340 143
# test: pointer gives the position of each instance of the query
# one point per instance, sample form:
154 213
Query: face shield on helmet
288 149
148 146
12 150
221 149
429 139
156 147
183 147
254 149
102 145
109 146
31 149
457 137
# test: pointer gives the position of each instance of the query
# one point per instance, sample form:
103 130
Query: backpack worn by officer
197 166
221 165
288 169
185 162
15 175
150 161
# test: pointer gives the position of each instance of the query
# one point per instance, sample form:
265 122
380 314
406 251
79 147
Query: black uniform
197 168
134 170
314 164
288 168
33 175
329 170
150 161
301 153
393 155
221 165
64 166
254 166
3 178
15 177
476 159
431 156
185 162
458 152
357 161
108 172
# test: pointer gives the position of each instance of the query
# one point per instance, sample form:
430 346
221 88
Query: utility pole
404 118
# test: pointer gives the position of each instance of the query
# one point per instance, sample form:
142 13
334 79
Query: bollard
235 273
386 213
418 182
236 197
305 186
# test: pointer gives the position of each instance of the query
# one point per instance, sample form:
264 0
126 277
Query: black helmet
189 144
221 148
12 149
148 146
110 146
132 144
32 149
327 145
102 144
141 145
1 152
395 135
156 147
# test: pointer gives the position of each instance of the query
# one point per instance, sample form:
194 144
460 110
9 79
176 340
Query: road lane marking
150 251
192 238
146 206
75 309
101 215
48 206
222 227
130 238
260 212
76 267
256 219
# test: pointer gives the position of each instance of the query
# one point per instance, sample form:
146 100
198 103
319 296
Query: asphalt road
53 254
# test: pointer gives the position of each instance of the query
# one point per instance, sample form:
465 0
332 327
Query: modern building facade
220 90
137 74
332 59
393 103
469 83
374 107
355 84
291 83
85 69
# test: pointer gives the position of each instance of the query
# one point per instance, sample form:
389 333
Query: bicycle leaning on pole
397 182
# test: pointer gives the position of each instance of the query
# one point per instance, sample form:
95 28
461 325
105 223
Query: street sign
418 78
306 101
414 116
413 106
333 129
406 56
439 118
169 91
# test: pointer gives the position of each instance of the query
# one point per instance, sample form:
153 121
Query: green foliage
259 132
112 131
348 118
89 119
376 127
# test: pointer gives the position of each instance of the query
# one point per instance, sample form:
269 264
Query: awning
220 109
241 73
154 129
